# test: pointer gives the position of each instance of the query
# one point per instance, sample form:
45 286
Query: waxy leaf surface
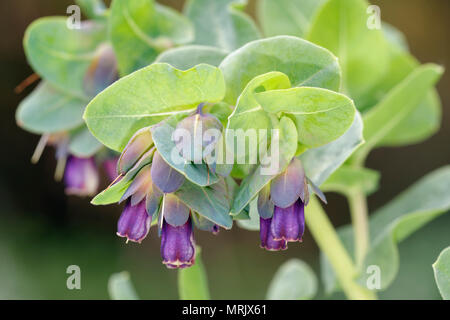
142 29
221 23
61 55
148 96
305 63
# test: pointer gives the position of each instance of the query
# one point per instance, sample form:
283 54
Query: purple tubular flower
177 245
267 240
134 223
288 224
81 176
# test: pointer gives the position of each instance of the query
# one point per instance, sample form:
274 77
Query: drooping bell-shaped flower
177 238
134 223
267 240
281 207
177 245
196 135
288 224
102 71
142 201
81 176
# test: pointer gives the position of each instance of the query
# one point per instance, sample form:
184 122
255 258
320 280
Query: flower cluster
151 195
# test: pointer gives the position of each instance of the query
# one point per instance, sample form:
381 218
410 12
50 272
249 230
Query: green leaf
114 193
442 273
197 173
48 110
321 115
305 63
424 119
346 179
426 200
399 66
220 110
61 55
186 57
257 179
341 26
395 36
211 202
93 9
192 281
83 144
251 224
141 29
120 287
148 96
294 280
418 125
287 17
373 62
221 23
248 114
386 115
320 163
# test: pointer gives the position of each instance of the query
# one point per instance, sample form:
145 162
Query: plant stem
329 242
358 209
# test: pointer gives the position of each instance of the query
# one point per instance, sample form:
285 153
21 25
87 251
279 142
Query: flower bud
138 145
195 134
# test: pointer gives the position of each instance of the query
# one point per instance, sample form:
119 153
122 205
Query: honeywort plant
312 93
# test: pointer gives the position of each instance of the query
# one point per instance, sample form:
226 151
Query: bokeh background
42 231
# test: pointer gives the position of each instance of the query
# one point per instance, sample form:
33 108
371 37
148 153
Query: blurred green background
42 231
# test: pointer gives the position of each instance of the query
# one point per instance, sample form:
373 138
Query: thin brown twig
26 83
